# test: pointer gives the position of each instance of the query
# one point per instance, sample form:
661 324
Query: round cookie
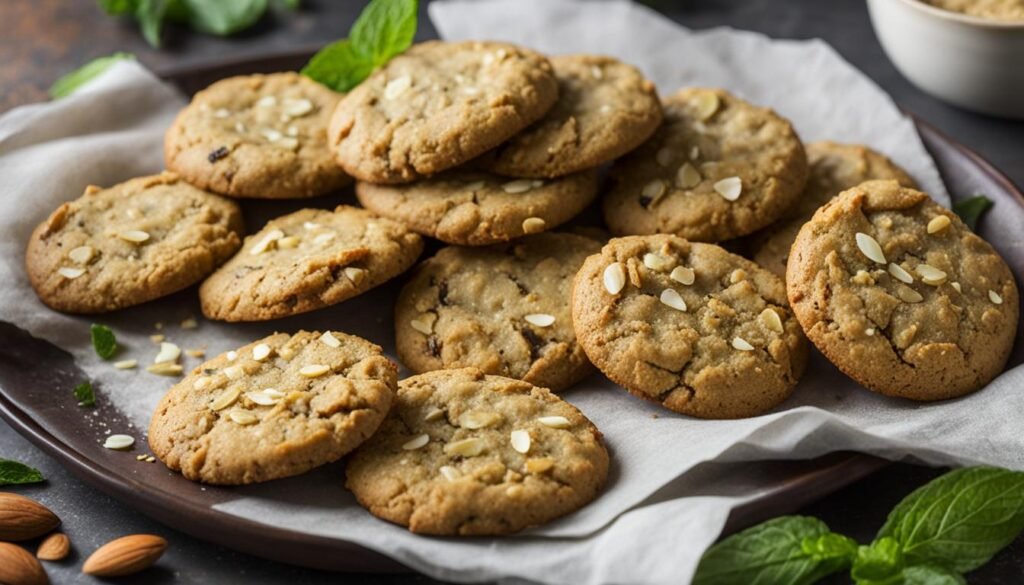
702 331
463 453
308 260
503 309
718 168
438 105
605 109
473 208
833 168
899 294
131 243
262 136
275 408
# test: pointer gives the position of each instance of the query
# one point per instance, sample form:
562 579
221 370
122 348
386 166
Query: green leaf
118 7
795 550
338 67
959 520
970 210
930 575
224 17
150 14
288 4
880 563
384 29
84 395
103 341
13 473
67 84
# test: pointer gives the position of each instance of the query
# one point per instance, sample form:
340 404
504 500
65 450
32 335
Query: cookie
131 243
899 294
438 105
691 326
463 453
718 168
262 136
503 309
275 408
605 109
308 260
1008 11
833 168
472 208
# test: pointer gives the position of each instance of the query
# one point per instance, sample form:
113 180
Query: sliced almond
397 86
134 236
450 473
169 353
539 465
900 274
118 442
189 323
614 278
555 422
657 262
314 370
908 295
261 352
540 319
263 398
225 399
533 225
870 247
938 223
683 275
520 440
470 447
82 254
125 556
688 176
653 191
741 344
288 143
165 369
416 442
730 188
324 238
69 272
930 274
267 101
477 419
425 323
956 285
266 242
243 417
356 275
771 320
517 186
126 364
706 103
434 414
670 297
296 107
235 372
330 340
994 297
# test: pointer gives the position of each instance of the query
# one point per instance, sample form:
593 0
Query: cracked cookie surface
691 326
605 109
308 260
503 309
899 294
463 453
275 408
261 136
438 105
472 208
717 168
131 243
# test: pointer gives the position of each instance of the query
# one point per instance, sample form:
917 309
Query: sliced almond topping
870 331
261 352
771 320
870 247
930 274
243 417
688 176
908 295
614 278
288 143
309 225
330 340
356 275
314 370
266 242
477 419
231 355
470 447
119 442
157 338
434 414
234 372
126 364
596 72
289 242
416 442
533 225
664 157
517 186
738 275
71 273
707 104
657 262
271 135
938 223
653 191
165 369
221 113
201 382
683 275
267 101
670 297
240 128
539 465
169 353
324 238
189 323
956 285
994 297
81 254
263 398
225 398
900 274
741 344
450 473
555 422
297 107
540 319
694 152
397 87
134 236
425 323
729 188
520 441
292 130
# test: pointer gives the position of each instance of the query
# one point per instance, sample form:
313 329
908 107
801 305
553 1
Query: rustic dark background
43 39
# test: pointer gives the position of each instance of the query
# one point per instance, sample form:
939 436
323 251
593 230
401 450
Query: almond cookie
131 243
718 168
503 309
463 453
262 136
473 208
605 109
899 294
702 331
308 260
438 105
274 408
834 168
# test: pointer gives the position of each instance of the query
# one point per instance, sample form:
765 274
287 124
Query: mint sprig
67 84
217 17
385 28
15 473
970 210
103 341
84 394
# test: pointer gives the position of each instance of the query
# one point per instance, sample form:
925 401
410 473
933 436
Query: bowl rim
950 15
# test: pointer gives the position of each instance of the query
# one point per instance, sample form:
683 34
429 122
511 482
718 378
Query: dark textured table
41 39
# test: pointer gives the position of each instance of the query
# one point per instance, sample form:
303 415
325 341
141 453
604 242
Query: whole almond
19 567
23 518
125 556
54 547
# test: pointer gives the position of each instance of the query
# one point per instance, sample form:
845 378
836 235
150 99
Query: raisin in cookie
262 136
275 408
503 309
702 331
473 208
834 168
605 109
131 243
463 453
438 105
308 260
718 168
899 294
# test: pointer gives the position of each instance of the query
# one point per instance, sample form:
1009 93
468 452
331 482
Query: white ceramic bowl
971 62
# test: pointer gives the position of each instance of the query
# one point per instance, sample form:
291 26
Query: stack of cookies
487 148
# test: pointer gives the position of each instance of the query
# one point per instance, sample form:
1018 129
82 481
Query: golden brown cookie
262 136
308 260
718 168
503 309
277 407
467 454
899 294
437 106
691 326
131 243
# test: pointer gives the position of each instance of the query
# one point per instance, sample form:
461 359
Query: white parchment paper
674 479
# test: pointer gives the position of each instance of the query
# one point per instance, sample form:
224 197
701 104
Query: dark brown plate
30 368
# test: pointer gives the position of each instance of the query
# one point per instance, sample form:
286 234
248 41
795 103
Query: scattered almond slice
69 272
683 275
614 278
434 414
938 223
165 369
870 247
330 340
119 442
314 370
134 236
540 319
225 398
730 188
741 344
771 320
297 107
261 352
169 353
126 364
416 442
670 297
555 422
520 441
900 274
81 254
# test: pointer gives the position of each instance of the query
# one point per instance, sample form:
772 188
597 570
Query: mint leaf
882 562
384 29
338 67
118 7
970 210
84 395
67 84
13 473
150 14
796 550
930 575
959 520
224 17
103 341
